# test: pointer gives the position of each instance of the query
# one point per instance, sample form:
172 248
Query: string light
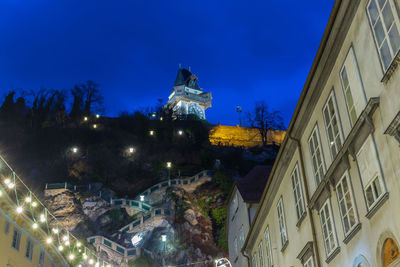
97 264
71 256
35 226
60 248
84 256
78 244
55 230
91 261
49 240
1 193
11 185
67 243
65 238
42 218
19 209
7 181
28 199
34 204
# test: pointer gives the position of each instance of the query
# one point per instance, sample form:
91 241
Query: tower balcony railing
203 98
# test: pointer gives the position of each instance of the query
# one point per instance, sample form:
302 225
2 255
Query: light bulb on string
42 218
1 193
84 256
55 230
91 261
71 256
78 244
97 264
7 181
34 204
28 199
11 185
65 238
60 248
67 242
19 209
35 226
49 240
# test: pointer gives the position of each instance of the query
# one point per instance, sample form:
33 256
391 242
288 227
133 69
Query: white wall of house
358 53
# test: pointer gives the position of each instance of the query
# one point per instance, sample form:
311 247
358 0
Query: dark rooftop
186 77
251 187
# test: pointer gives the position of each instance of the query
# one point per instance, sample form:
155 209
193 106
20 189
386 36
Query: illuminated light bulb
91 261
75 149
84 256
34 204
131 149
28 199
42 218
71 256
97 116
78 244
79 250
65 238
7 181
55 230
97 264
80 265
1 193
11 185
169 164
19 210
49 240
180 132
161 118
60 248
67 243
94 126
152 132
85 118
35 226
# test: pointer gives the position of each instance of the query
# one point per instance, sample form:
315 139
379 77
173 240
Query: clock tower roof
187 78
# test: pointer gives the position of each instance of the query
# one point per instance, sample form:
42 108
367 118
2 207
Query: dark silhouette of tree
77 104
264 120
87 99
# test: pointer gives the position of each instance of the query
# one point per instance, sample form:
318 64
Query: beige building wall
349 38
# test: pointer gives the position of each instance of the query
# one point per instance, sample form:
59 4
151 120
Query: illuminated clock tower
187 98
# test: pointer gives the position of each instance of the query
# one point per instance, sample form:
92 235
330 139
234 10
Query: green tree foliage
222 239
219 215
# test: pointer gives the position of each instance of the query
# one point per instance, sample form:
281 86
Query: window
332 125
254 262
298 192
346 204
371 177
29 249
384 23
316 155
241 237
235 247
268 247
7 227
261 254
348 95
234 205
328 231
16 240
41 258
281 221
309 262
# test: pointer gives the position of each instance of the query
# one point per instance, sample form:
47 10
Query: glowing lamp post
169 165
131 149
151 132
180 132
74 150
164 240
141 198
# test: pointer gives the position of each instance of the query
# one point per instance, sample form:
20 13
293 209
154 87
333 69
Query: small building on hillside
187 98
243 202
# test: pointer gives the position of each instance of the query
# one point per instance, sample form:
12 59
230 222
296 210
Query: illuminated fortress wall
241 136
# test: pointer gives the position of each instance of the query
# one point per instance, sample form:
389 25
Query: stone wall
241 136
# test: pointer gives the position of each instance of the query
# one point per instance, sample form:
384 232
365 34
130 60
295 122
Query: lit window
268 247
328 230
316 155
371 177
29 249
261 254
385 26
16 240
332 126
309 262
298 192
282 223
346 204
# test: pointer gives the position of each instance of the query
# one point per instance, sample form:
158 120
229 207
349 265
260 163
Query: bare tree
264 120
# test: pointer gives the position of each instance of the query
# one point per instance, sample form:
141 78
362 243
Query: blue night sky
241 51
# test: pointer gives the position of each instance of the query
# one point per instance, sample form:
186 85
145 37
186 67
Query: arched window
360 261
390 252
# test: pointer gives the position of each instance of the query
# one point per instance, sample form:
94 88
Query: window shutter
355 82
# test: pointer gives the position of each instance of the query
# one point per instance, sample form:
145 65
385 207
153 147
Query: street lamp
85 118
142 198
164 240
97 116
151 132
74 149
94 126
180 132
169 165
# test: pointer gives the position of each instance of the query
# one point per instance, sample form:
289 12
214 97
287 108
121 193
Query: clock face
196 109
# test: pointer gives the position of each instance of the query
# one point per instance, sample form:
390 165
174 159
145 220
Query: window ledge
377 205
393 66
332 255
352 233
285 246
303 216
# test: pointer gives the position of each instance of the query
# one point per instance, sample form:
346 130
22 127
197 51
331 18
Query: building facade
333 193
187 98
243 203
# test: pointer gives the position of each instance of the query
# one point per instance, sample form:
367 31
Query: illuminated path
117 252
